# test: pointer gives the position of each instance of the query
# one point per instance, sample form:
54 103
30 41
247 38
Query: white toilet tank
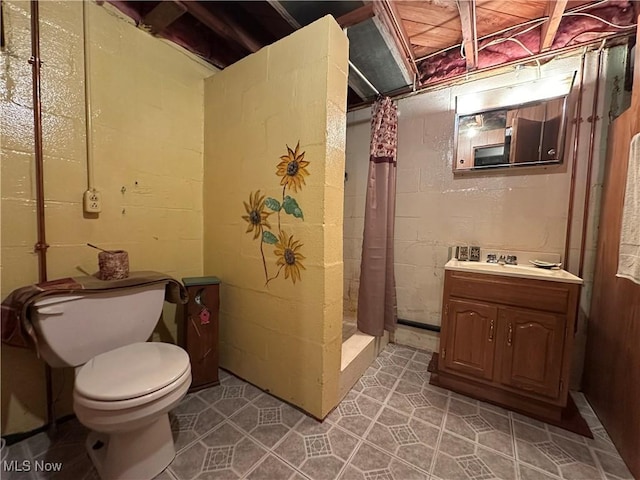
72 329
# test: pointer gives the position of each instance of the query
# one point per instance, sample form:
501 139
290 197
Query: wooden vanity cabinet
468 322
530 353
508 340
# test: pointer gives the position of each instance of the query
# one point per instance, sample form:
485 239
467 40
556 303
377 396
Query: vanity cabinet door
531 348
469 330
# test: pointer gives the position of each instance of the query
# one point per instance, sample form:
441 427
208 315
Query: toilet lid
131 371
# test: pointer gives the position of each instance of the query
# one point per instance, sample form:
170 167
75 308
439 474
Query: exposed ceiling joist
395 16
277 6
555 10
222 25
163 15
467 19
356 16
388 39
386 14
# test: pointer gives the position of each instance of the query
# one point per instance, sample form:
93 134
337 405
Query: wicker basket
113 265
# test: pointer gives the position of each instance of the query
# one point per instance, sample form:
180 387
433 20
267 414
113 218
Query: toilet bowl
124 397
124 386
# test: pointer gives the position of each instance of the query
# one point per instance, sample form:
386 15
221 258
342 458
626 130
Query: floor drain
98 445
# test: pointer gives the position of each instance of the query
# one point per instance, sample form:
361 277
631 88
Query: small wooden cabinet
508 340
200 330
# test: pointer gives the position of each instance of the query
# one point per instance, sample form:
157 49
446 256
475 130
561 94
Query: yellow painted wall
284 337
147 99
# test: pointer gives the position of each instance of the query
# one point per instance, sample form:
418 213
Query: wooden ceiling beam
555 10
222 25
386 14
356 16
163 15
395 15
467 19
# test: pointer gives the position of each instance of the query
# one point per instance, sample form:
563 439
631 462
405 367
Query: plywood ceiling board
490 21
415 29
526 10
437 38
420 51
422 12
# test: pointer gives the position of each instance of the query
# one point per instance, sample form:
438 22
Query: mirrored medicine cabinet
510 127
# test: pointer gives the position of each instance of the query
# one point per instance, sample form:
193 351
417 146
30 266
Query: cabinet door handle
510 334
491 325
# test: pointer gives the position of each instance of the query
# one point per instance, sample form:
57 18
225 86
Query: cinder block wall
284 337
147 98
524 211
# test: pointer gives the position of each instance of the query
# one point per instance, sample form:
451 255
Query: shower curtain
377 310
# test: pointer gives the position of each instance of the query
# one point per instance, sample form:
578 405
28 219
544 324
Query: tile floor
392 425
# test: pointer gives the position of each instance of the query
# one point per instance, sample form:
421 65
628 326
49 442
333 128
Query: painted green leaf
268 237
291 207
273 204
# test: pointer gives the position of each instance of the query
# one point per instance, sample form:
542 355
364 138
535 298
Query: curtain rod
366 80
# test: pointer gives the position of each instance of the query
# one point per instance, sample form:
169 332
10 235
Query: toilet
124 386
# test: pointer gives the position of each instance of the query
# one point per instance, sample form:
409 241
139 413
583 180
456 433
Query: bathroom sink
522 271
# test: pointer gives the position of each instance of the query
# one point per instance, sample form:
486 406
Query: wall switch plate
92 201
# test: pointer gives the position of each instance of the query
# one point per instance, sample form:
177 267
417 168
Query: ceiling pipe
574 163
587 194
41 245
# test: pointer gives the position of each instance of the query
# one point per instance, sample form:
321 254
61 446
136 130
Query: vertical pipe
2 41
87 97
41 244
576 142
587 193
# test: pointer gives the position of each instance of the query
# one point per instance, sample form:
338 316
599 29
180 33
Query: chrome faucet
502 260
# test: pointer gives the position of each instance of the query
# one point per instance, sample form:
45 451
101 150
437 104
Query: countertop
521 271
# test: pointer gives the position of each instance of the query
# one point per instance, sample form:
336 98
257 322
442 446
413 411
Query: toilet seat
142 401
138 370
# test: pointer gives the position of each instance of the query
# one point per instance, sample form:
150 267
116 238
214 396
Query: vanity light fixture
517 94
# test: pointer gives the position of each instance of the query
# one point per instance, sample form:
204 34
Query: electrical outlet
92 201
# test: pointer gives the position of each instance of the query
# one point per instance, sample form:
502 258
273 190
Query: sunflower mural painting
292 168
